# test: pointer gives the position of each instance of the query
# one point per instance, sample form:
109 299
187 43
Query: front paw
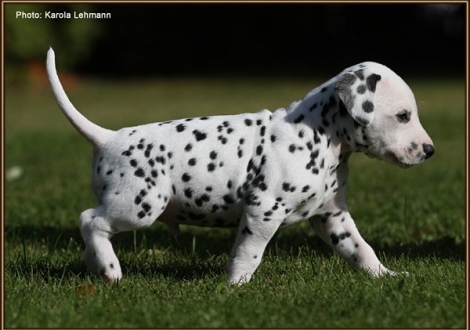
381 270
236 275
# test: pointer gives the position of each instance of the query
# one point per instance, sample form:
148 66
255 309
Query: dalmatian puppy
255 171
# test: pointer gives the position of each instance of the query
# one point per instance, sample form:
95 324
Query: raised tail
92 132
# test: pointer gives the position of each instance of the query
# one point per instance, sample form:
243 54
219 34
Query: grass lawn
414 219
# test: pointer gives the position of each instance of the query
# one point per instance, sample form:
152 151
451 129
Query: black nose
428 150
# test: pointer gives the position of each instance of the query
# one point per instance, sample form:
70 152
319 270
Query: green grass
414 219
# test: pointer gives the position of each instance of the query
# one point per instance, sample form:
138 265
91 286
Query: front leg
337 228
254 233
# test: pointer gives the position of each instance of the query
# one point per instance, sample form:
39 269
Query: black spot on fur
186 177
222 139
146 207
180 128
139 173
299 119
160 159
199 135
371 81
202 199
344 235
334 238
188 192
228 199
368 106
287 187
263 130
246 230
211 167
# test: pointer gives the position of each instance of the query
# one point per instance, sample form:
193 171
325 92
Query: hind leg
98 226
99 254
133 190
126 204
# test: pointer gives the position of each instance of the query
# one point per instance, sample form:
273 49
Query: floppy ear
357 91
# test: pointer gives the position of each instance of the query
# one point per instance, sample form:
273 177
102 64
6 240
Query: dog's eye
403 116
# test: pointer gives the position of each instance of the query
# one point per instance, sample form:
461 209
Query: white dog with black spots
255 171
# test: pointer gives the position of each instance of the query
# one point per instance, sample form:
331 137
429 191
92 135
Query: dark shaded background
269 39
266 39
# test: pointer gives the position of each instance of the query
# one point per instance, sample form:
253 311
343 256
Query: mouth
393 159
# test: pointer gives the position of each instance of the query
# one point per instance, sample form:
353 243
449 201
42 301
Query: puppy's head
384 110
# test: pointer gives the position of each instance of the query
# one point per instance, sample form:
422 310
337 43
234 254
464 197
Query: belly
224 216
304 211
228 216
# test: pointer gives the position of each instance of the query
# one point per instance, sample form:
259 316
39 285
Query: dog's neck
325 114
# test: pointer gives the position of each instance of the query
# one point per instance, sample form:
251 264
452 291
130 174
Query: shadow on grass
198 251
442 248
